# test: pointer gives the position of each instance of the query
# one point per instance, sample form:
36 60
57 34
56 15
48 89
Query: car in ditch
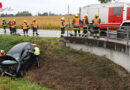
17 60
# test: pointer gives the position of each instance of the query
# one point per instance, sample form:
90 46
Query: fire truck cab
115 14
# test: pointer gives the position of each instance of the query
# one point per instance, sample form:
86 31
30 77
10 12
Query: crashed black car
17 60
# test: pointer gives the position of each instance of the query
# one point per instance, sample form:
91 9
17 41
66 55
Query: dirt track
71 72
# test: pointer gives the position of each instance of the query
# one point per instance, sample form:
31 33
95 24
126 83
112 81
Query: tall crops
44 22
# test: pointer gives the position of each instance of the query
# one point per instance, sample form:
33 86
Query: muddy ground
66 69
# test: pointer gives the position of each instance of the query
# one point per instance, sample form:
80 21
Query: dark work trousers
37 61
35 31
96 32
14 31
62 32
25 31
10 30
85 32
77 29
4 27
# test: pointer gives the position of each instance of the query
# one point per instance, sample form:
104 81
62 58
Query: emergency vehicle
115 14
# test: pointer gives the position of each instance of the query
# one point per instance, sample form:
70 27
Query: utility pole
68 19
68 14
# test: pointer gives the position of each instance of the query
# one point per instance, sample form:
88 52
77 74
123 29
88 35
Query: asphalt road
42 33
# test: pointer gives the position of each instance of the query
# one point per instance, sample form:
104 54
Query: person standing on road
96 24
14 27
85 22
62 26
35 27
10 26
4 25
76 25
25 28
2 53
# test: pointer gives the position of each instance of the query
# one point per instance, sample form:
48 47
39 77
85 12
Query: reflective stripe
85 21
96 20
13 25
37 51
25 26
2 54
76 23
61 24
34 25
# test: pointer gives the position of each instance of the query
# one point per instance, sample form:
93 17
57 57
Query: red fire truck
111 14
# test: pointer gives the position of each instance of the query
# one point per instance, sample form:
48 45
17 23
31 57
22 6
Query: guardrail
121 34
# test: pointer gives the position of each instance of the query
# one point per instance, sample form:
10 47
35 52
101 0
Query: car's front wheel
21 73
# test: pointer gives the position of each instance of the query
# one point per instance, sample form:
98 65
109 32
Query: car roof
19 47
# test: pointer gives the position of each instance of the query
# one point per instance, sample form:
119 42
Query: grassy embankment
44 22
66 69
6 83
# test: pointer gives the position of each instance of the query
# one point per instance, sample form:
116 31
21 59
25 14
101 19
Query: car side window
25 52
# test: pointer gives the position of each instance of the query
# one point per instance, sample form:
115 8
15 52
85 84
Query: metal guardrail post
67 29
107 33
127 36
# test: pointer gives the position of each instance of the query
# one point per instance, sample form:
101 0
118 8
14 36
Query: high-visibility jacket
13 25
76 23
85 21
96 20
34 25
2 54
37 51
10 24
25 26
61 24
4 24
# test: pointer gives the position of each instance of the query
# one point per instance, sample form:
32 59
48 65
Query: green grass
7 83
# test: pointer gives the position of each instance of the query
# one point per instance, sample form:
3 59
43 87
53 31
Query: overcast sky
54 6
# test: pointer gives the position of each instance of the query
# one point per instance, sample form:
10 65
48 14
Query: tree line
27 13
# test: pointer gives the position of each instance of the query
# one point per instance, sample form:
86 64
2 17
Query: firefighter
36 53
25 28
96 23
62 26
35 27
76 25
2 53
14 27
4 25
10 25
85 25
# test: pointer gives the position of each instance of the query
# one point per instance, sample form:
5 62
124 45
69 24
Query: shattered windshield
17 50
15 55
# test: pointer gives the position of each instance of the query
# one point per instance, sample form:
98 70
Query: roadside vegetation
44 22
62 68
7 83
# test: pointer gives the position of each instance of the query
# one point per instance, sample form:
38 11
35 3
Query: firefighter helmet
25 21
76 15
34 19
62 18
14 20
86 15
97 15
2 51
